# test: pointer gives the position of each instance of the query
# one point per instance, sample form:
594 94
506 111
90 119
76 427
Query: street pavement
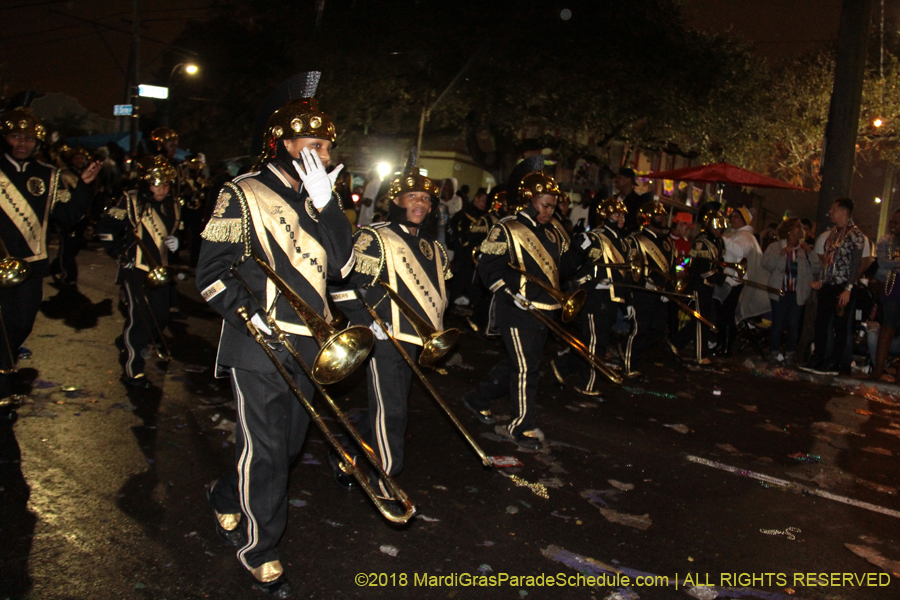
685 474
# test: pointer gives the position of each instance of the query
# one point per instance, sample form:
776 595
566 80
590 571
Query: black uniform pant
270 432
383 427
144 306
827 317
19 307
71 240
696 330
524 338
725 322
596 318
650 326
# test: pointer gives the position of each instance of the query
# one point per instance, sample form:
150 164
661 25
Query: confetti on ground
298 503
834 428
729 448
428 519
894 432
789 533
389 550
537 489
882 451
775 428
804 457
512 510
641 522
884 489
680 428
625 487
702 593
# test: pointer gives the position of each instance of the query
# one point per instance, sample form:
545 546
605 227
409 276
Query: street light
189 68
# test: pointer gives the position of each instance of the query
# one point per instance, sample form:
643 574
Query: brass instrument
435 344
347 463
340 352
570 303
741 268
634 267
144 310
674 297
485 459
13 271
576 344
157 276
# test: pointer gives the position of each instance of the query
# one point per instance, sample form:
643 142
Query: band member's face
320 147
170 146
480 201
544 206
618 218
22 145
417 205
159 191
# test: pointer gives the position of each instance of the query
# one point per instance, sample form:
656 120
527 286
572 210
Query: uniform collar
20 167
279 175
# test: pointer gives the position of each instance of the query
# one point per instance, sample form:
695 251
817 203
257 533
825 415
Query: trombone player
529 241
140 233
287 214
31 194
607 246
398 254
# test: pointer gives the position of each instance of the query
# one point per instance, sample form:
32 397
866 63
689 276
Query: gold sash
652 250
404 264
149 221
610 254
523 238
271 214
22 215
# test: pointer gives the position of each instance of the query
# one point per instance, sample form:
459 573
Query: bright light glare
191 69
384 169
877 122
877 200
153 91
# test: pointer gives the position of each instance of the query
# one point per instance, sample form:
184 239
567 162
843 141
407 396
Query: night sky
50 46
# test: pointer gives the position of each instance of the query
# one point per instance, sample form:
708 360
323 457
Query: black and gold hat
21 120
297 119
647 211
714 219
163 134
155 170
527 181
609 207
411 179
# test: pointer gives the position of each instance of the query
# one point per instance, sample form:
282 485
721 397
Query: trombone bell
157 277
341 354
435 344
13 272
571 305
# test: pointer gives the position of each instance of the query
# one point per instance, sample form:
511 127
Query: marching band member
287 215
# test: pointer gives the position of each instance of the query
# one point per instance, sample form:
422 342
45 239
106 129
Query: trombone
674 297
340 352
571 303
346 462
407 310
13 271
435 344
157 275
741 269
634 267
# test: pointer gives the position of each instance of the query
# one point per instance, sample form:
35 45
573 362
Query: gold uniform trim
268 572
229 522
365 264
223 230
22 214
495 248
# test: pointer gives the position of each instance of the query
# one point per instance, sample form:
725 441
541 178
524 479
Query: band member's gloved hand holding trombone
317 182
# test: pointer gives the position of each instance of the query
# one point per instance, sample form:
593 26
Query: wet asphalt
102 488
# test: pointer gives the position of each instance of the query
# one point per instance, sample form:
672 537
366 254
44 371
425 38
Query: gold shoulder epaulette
117 213
233 230
223 230
365 263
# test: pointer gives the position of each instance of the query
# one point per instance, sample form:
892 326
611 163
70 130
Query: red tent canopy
724 173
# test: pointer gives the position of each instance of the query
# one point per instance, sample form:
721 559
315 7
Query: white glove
585 241
664 299
129 264
379 332
316 181
171 243
260 324
629 312
521 301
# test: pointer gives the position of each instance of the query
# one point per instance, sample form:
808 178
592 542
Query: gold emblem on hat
296 124
410 182
277 131
538 188
315 122
425 247
23 124
36 186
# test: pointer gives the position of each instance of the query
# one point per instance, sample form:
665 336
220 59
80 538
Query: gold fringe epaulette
367 265
478 229
223 230
117 213
496 248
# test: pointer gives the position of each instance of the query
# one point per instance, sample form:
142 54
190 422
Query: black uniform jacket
461 225
153 221
658 253
608 246
31 194
261 214
413 266
706 252
541 250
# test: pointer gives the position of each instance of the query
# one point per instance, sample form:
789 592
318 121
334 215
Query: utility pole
135 79
843 114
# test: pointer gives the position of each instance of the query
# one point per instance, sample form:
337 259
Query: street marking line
796 486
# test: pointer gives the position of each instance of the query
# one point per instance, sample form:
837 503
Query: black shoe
24 353
529 443
813 366
138 382
280 588
345 480
831 368
484 416
237 536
